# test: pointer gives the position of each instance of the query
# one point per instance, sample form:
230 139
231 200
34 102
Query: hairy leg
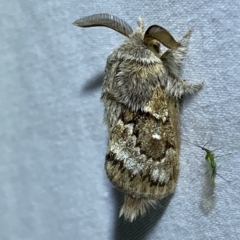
178 87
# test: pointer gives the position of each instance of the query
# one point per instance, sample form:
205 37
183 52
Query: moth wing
143 151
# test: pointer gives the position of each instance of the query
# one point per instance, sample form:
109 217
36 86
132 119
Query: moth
211 161
141 92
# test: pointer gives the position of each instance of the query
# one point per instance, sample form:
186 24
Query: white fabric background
53 140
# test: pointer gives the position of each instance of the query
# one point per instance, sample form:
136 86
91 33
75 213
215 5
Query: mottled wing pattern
143 149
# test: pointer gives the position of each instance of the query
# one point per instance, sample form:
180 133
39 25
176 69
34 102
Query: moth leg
178 87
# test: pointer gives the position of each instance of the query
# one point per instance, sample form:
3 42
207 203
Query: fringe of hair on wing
134 207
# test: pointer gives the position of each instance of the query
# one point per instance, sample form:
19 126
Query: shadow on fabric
140 228
93 83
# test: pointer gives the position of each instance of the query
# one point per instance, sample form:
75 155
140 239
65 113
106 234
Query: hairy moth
141 92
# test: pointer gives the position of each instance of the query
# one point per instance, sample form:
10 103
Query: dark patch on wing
157 183
111 157
145 175
131 177
120 165
169 145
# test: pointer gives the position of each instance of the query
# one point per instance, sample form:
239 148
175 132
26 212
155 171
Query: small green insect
211 160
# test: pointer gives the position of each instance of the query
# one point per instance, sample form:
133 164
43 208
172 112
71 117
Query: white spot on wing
122 155
156 136
163 160
162 176
150 110
165 115
155 174
130 164
147 109
137 150
130 128
157 116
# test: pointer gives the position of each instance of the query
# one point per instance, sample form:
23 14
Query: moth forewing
141 161
141 109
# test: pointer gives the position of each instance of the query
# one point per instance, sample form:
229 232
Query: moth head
155 35
105 20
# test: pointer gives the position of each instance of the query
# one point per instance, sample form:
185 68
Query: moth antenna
160 34
105 20
202 147
216 149
134 207
207 142
223 155
223 178
194 144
